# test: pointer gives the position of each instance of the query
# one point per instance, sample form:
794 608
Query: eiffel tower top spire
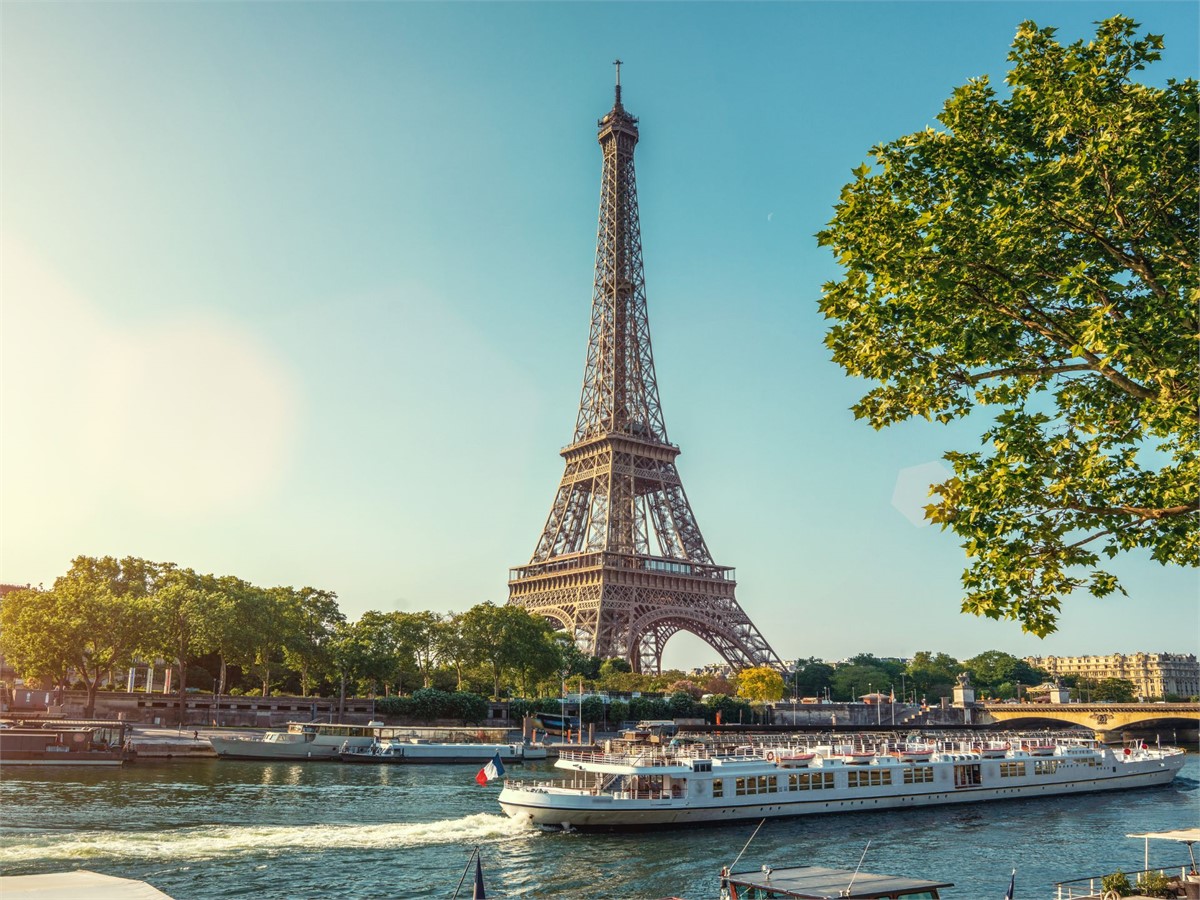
620 392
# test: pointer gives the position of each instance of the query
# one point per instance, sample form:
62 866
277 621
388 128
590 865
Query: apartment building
1152 674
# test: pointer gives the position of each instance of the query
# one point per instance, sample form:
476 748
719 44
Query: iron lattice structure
621 563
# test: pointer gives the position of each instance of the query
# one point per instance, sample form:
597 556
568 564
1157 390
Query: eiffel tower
621 563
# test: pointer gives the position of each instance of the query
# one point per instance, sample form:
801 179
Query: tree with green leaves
932 674
994 668
1115 690
376 652
451 646
104 614
313 617
30 638
614 666
852 680
510 640
224 630
421 636
1034 258
811 677
533 651
592 711
182 609
269 626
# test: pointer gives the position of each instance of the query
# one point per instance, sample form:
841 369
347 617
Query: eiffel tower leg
650 648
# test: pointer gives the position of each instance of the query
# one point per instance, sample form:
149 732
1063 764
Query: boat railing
1091 887
648 758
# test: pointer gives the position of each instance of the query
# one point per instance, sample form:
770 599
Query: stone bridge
1103 718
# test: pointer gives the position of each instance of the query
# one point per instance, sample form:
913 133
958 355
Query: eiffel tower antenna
621 564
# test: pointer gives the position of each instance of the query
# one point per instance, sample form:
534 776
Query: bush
732 710
1155 884
592 711
1117 882
399 707
431 703
618 711
470 708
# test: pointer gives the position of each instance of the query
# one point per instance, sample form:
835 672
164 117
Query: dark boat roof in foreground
819 883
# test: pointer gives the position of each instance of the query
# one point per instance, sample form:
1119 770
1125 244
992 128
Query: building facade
1152 674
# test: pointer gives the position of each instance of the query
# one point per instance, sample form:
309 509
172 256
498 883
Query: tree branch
1143 513
1137 263
1048 328
1029 370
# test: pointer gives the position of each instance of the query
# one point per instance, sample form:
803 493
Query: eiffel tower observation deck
621 563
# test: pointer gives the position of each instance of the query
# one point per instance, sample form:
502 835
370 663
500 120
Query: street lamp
562 703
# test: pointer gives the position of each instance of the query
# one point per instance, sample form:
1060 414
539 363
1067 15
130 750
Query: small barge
57 746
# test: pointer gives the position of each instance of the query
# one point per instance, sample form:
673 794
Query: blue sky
300 293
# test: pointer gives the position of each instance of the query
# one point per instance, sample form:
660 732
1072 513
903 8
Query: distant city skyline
300 293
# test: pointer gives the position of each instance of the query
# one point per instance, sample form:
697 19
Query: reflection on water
211 829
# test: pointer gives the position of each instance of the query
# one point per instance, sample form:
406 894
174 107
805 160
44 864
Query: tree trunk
93 684
342 699
221 688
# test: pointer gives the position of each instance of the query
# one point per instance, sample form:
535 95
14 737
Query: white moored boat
417 750
302 740
648 786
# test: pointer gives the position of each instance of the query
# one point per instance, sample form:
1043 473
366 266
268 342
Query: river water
215 828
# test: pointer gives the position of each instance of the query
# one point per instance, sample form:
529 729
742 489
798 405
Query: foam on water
212 841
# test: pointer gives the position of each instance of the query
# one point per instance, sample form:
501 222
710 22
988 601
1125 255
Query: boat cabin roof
820 883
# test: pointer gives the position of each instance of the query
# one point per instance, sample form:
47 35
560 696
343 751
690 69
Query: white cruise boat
645 786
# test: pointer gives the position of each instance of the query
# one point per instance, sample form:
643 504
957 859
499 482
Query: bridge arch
1101 717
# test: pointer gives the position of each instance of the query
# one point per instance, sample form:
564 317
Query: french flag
494 769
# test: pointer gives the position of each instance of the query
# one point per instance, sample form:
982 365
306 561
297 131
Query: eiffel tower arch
621 563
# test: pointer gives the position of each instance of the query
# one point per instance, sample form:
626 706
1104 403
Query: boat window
718 787
1045 766
869 777
806 781
1012 770
919 775
967 775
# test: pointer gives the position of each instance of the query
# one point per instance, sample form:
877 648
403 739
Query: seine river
214 828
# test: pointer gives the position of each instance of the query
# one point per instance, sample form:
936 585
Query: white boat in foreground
646 786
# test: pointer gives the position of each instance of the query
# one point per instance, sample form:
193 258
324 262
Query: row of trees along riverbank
222 633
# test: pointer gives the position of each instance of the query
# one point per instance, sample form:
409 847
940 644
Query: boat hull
447 754
243 748
98 758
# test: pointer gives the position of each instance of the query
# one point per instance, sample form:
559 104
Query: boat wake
213 841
